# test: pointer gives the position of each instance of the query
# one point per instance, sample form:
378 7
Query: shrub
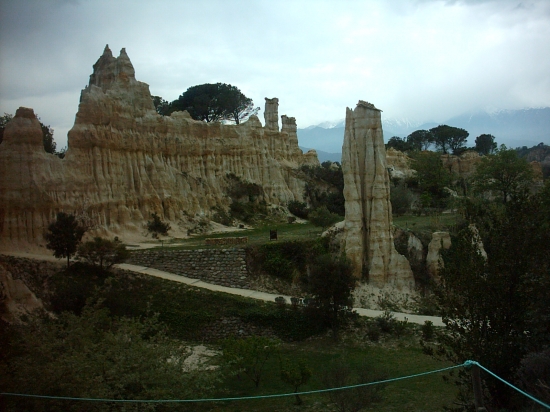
386 322
428 331
103 252
401 198
298 209
323 218
156 226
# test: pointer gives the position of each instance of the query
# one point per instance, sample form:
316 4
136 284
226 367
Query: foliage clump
157 227
97 355
103 253
64 235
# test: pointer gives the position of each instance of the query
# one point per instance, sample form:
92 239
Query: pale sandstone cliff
464 165
125 162
368 239
399 164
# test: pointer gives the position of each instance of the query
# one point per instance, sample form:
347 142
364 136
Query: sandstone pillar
368 239
271 114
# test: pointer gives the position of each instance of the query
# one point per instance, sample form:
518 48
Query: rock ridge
124 162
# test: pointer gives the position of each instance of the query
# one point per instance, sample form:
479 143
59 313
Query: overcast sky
425 60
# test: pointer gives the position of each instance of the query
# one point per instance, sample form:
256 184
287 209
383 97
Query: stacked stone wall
225 267
227 240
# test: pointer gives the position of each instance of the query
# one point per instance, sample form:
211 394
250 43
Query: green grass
185 310
427 393
433 223
256 236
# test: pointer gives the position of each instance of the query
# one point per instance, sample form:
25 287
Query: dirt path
253 294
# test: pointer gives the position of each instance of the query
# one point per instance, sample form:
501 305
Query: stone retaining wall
226 240
225 267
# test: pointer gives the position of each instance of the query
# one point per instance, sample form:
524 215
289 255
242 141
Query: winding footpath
247 293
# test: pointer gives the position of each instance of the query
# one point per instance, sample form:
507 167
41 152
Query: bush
298 209
386 322
401 198
156 226
103 252
428 331
323 218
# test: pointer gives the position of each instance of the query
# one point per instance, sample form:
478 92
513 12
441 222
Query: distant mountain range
514 128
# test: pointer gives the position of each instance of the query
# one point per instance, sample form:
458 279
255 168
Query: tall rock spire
271 114
368 239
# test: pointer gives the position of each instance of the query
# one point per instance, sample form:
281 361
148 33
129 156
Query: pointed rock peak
124 65
107 51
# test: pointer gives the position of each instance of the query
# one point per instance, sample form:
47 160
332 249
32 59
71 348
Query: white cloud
425 60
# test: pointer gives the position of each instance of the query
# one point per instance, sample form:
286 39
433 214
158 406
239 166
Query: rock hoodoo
368 239
271 114
125 162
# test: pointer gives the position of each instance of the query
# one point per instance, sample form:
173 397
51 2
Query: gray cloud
424 60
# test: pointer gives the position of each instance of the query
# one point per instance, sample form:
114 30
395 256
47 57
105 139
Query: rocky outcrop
440 240
399 164
16 299
125 162
368 239
271 114
464 165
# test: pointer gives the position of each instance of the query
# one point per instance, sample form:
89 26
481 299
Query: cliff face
368 239
125 162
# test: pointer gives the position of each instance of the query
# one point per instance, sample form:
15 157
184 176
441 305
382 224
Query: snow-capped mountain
514 128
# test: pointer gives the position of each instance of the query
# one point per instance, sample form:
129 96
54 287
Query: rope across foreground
466 364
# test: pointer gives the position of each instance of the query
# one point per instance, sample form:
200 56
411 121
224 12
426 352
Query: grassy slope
185 310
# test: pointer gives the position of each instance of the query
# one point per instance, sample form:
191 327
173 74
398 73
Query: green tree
431 178
97 355
503 172
162 106
103 252
485 144
295 374
47 138
3 121
157 227
398 143
495 307
322 217
401 198
64 235
236 106
249 355
331 283
420 140
449 138
215 102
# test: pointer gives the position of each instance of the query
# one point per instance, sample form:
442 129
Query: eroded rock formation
434 261
368 239
16 299
464 165
399 164
124 162
271 114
